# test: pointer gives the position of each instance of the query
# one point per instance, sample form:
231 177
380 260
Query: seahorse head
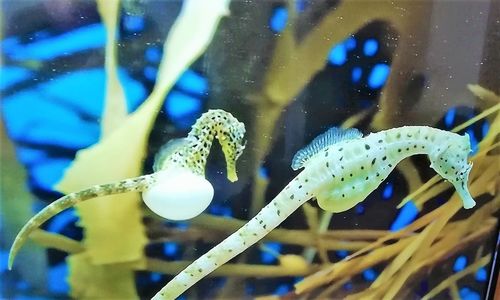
219 124
449 159
231 136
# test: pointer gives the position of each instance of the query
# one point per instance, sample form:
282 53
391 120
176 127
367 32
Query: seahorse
340 169
177 189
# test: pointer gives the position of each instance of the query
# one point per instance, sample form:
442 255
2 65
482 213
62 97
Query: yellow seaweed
115 104
91 281
120 153
455 277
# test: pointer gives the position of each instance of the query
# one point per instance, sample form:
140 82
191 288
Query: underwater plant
177 190
97 263
341 168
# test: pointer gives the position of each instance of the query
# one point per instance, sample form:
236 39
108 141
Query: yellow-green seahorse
341 168
177 189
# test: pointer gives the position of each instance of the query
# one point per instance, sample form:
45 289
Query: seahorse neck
409 140
200 141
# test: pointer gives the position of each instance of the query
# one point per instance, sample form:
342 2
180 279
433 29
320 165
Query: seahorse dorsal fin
168 149
330 137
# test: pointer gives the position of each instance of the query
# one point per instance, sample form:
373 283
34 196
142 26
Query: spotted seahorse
341 168
177 189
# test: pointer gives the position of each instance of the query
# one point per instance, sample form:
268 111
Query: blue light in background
153 54
282 289
133 23
249 288
9 44
12 75
388 191
37 115
192 82
360 209
347 286
406 215
170 248
22 285
44 116
84 90
57 279
42 34
4 257
50 134
485 128
378 76
370 47
474 143
268 258
155 277
183 226
221 210
350 43
182 109
469 294
46 174
278 19
342 253
338 55
264 173
61 220
449 117
369 274
150 73
460 263
356 74
300 5
80 39
481 275
28 156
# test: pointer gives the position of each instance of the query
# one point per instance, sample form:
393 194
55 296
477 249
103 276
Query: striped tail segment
273 214
123 186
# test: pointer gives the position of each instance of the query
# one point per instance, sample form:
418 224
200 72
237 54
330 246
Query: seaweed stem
450 281
231 269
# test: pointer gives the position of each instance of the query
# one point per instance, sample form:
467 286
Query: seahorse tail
266 220
70 200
